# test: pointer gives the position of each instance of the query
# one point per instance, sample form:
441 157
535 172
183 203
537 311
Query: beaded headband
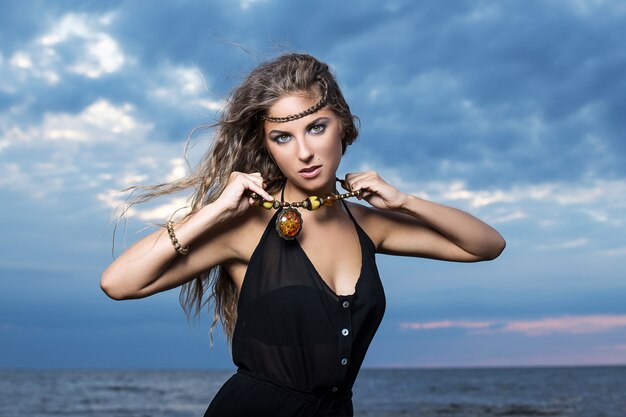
306 112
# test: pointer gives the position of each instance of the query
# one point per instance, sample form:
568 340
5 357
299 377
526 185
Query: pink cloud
429 325
566 324
537 327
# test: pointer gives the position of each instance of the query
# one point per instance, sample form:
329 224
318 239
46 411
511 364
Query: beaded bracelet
177 246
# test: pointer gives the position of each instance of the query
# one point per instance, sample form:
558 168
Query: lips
310 169
311 172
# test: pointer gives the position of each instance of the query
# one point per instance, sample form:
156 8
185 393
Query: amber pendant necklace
289 220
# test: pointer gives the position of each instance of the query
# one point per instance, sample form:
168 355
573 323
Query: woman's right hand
152 265
235 199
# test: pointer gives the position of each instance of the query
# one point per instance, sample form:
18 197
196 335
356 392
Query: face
307 150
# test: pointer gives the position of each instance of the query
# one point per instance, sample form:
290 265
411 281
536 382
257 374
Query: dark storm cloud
515 62
501 107
521 91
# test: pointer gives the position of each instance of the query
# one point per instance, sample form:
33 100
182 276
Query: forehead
294 104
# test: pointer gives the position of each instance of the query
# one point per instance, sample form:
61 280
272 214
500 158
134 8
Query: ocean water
516 392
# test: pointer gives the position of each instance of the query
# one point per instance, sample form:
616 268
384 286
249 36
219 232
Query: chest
335 254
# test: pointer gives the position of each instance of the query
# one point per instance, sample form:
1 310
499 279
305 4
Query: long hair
238 146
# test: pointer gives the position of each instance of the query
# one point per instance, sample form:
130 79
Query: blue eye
317 129
282 139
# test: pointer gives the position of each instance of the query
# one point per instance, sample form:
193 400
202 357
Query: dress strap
349 212
359 229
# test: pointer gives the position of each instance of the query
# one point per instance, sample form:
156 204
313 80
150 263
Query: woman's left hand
375 190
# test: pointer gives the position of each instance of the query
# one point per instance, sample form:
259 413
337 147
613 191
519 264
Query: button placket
344 334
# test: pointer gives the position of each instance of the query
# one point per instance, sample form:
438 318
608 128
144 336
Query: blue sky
512 111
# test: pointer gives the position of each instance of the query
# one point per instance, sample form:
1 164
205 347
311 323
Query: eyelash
321 130
320 126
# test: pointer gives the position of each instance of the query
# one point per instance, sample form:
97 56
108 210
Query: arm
411 226
152 264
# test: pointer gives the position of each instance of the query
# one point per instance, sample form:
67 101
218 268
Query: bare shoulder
243 239
368 218
246 232
381 224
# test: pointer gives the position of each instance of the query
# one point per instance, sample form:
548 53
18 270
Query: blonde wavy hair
238 146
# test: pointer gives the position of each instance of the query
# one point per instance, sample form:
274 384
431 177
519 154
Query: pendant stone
288 223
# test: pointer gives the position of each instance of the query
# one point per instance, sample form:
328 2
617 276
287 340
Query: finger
347 183
364 195
355 185
256 180
344 184
352 180
260 191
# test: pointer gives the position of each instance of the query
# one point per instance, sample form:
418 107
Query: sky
512 111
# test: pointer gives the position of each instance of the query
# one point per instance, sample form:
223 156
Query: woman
296 289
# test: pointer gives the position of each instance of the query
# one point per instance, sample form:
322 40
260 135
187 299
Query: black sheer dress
298 346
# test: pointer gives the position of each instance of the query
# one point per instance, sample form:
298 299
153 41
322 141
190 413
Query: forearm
146 260
464 230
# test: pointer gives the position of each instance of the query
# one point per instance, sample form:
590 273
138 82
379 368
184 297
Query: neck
294 193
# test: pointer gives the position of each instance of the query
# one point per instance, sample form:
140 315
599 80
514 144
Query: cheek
278 155
338 143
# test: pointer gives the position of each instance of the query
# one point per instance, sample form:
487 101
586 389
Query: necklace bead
289 220
329 199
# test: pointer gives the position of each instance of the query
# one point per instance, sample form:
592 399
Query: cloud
159 213
591 8
96 52
246 4
570 244
75 44
485 92
506 216
546 326
184 87
100 121
444 324
572 325
595 200
471 114
102 146
175 206
619 251
510 110
496 93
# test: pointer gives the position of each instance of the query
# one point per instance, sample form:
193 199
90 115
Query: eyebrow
313 123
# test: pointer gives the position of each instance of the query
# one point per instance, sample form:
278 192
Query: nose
304 150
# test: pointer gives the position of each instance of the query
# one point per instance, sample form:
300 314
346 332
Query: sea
468 392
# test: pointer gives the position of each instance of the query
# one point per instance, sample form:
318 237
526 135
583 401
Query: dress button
334 389
345 332
346 304
344 361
